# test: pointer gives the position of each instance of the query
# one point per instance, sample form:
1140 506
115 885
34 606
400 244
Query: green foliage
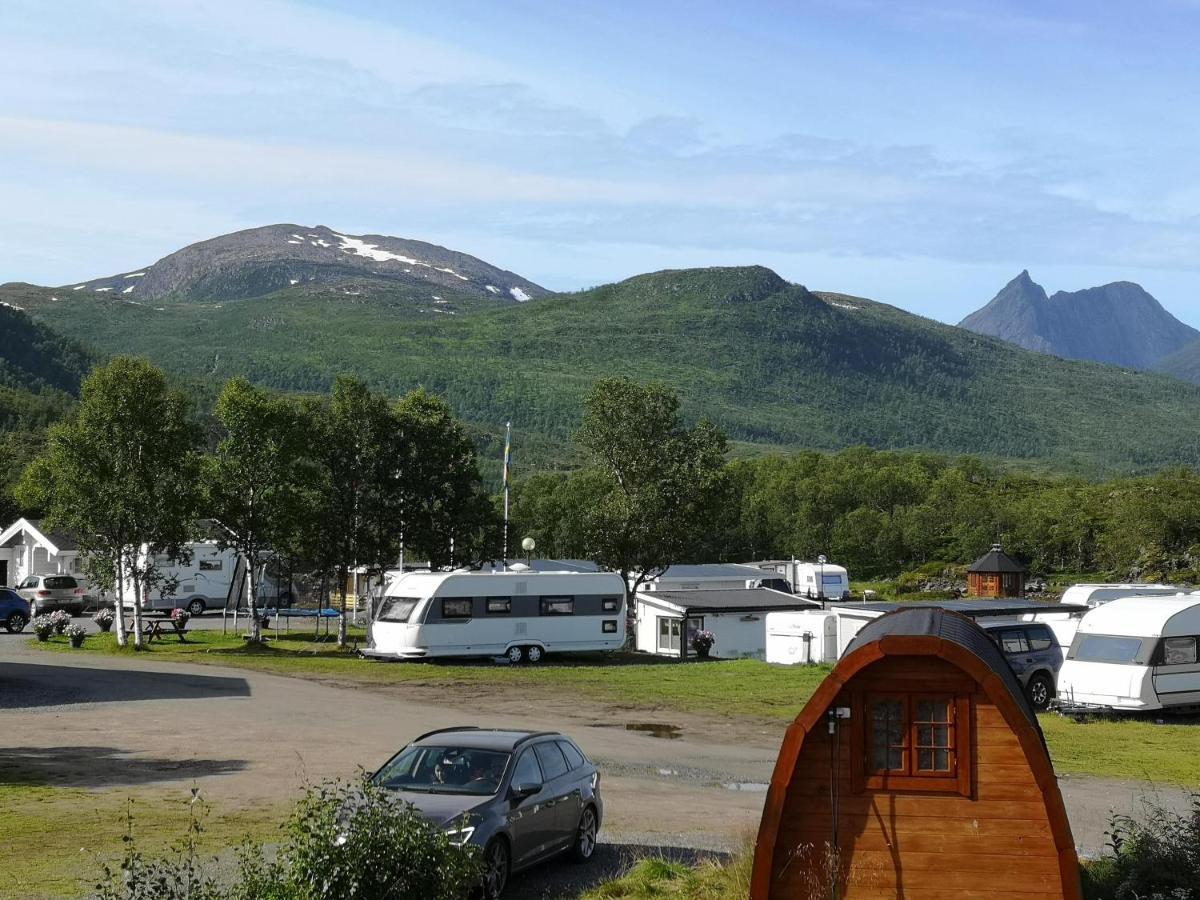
655 878
656 485
1156 858
770 363
343 840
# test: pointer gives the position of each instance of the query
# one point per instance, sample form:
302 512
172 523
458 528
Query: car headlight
461 835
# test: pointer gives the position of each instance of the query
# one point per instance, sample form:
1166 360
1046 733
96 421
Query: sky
917 153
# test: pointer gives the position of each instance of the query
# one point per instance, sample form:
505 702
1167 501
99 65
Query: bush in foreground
709 880
1157 858
343 840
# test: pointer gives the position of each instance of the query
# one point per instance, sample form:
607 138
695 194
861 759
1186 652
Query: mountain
259 261
776 365
1116 323
1183 363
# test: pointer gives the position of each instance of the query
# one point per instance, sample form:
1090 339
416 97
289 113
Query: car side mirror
525 789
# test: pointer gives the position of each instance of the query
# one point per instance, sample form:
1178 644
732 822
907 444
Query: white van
520 614
1097 594
196 586
1134 654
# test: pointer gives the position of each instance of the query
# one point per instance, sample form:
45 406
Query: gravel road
246 737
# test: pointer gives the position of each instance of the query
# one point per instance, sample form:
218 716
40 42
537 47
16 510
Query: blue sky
917 153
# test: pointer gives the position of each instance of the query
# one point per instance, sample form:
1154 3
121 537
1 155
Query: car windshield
1106 648
444 769
59 582
397 609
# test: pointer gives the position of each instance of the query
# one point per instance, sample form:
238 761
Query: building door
3 573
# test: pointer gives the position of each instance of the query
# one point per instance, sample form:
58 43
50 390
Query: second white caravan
522 615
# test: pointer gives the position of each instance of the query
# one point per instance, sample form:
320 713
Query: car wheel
196 607
496 865
1039 691
533 654
16 622
585 838
515 654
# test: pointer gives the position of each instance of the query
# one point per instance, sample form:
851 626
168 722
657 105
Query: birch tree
122 476
257 481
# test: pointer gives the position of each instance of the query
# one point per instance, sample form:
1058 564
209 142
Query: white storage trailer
518 614
1098 594
1134 654
802 637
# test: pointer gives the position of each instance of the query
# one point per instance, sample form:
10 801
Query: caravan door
1177 671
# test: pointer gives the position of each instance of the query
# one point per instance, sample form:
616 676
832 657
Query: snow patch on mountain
519 295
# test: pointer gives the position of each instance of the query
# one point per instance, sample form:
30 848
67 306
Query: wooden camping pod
916 770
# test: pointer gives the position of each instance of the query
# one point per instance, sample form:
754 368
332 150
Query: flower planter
105 626
77 642
43 636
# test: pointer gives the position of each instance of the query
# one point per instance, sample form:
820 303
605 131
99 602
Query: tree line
335 482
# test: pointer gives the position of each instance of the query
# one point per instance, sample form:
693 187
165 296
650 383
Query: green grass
710 880
739 689
54 841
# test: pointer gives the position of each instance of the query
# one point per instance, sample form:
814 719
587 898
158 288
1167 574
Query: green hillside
774 364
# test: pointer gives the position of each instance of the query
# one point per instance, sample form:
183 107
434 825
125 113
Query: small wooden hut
917 770
996 574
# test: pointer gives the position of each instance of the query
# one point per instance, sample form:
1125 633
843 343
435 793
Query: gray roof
733 600
57 538
971 608
996 560
713 570
957 629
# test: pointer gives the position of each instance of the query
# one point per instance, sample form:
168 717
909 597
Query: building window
558 606
499 606
456 608
916 742
670 628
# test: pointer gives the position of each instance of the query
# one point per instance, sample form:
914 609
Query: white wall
735 638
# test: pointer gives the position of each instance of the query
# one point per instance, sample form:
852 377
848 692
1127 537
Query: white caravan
802 637
1097 594
196 586
813 580
520 614
1134 654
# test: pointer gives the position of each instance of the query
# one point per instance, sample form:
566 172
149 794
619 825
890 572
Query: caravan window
610 604
499 606
456 607
210 565
397 609
1106 648
558 606
1180 651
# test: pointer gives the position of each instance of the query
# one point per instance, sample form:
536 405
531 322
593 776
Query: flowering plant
179 617
104 618
702 641
43 627
60 618
76 633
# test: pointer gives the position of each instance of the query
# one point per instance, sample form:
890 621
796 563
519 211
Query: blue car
14 611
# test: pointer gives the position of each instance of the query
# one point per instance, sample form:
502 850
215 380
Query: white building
26 548
667 620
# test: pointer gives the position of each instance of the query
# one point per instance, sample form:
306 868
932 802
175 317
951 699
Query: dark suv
520 796
1035 656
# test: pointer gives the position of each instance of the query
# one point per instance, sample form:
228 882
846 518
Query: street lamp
527 545
821 577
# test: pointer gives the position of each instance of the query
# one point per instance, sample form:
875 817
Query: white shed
667 620
809 636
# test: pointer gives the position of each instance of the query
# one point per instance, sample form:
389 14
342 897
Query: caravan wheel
533 654
515 654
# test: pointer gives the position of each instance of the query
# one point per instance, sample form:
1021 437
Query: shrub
1154 859
702 642
60 619
343 840
43 627
76 633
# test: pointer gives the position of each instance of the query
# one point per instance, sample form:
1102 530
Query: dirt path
248 737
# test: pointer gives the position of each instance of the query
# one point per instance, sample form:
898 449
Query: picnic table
153 628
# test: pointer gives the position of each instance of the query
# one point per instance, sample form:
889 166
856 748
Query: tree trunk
342 619
121 640
252 603
139 589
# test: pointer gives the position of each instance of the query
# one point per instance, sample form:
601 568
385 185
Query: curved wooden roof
959 641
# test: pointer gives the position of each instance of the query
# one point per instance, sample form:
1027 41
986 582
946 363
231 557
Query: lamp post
527 544
821 577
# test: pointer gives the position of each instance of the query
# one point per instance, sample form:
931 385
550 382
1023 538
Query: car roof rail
538 734
444 730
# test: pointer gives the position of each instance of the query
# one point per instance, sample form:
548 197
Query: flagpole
507 454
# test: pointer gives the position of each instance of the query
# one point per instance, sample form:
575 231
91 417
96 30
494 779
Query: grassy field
1133 749
56 841
660 878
